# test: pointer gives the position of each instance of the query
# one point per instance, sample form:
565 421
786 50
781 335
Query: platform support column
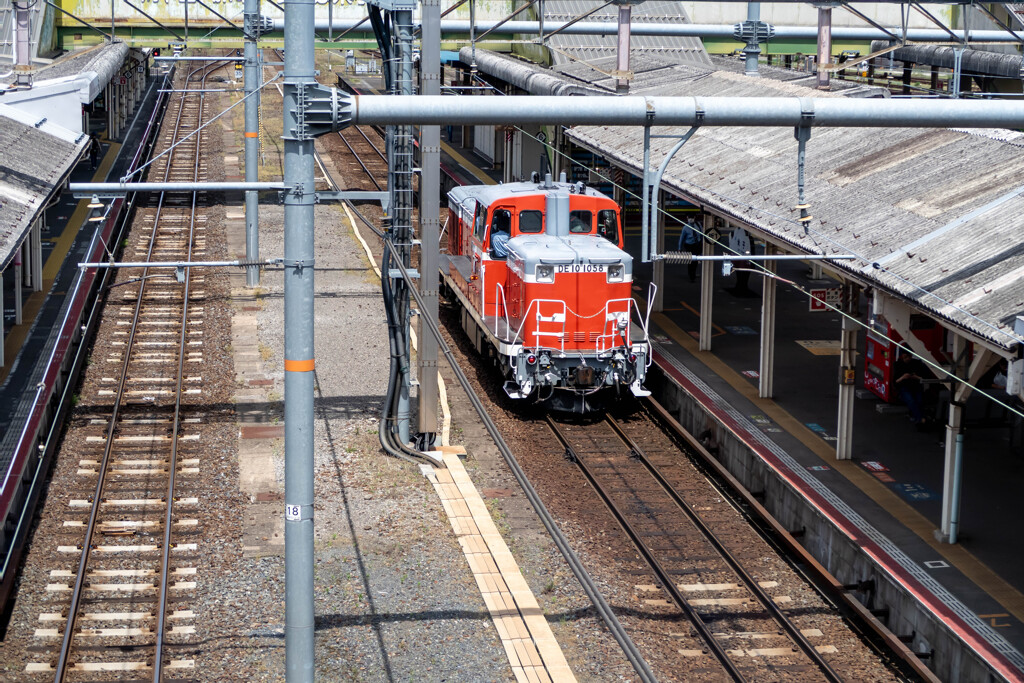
766 377
847 389
36 253
108 104
17 286
467 131
252 104
430 223
2 330
707 286
658 267
952 474
26 260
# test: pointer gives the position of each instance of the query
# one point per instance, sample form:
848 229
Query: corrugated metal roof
32 163
942 211
103 59
592 48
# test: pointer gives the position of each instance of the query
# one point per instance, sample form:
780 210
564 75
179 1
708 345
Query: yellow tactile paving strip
532 650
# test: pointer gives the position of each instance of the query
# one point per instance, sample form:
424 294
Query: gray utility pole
622 62
430 224
755 32
824 42
310 109
253 26
22 44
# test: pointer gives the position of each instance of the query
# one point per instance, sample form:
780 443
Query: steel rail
79 587
359 159
165 561
382 155
817 574
604 610
659 571
751 584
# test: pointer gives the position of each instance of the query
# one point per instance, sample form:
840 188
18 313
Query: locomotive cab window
479 225
501 231
608 225
531 221
580 221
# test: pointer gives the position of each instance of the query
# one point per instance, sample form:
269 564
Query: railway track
735 614
126 571
367 156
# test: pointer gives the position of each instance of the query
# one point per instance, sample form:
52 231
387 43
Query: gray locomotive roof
488 194
941 211
32 163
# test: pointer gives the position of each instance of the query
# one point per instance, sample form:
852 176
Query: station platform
889 494
888 497
65 240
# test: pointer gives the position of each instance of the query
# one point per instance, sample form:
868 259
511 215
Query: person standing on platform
907 382
94 153
690 240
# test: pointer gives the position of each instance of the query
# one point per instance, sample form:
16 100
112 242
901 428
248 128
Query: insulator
682 258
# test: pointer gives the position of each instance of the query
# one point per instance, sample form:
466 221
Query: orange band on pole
252 135
298 365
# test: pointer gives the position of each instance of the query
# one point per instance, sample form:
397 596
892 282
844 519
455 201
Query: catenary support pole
298 342
252 82
430 224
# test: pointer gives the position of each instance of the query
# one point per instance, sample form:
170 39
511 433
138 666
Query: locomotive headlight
545 273
616 273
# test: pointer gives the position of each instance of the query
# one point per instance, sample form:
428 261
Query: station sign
824 298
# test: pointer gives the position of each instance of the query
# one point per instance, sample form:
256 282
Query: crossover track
133 546
674 540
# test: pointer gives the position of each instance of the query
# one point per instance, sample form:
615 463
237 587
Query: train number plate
581 268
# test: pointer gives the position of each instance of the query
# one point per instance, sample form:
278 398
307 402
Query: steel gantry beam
680 111
668 30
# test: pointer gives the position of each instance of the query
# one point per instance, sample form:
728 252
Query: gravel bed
608 554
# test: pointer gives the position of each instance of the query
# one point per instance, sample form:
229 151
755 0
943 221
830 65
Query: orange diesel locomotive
545 288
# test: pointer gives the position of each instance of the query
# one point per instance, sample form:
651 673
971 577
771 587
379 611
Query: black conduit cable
604 610
618 632
397 375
